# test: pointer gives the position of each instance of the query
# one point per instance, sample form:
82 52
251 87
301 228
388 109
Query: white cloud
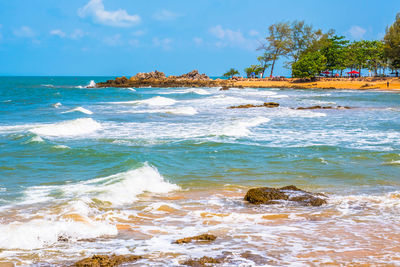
114 40
77 34
119 18
228 37
139 33
198 40
163 43
134 42
356 32
58 33
254 33
164 15
24 32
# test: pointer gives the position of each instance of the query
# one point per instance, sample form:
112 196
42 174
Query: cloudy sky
123 37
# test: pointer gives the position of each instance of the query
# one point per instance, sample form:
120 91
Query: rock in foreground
106 261
323 107
204 261
267 195
203 237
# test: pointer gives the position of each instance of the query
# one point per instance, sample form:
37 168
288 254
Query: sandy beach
341 83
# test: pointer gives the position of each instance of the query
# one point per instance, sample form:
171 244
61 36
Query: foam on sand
68 128
79 109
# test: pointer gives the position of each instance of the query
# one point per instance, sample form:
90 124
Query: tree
335 51
231 72
309 65
303 36
277 42
257 69
264 62
392 44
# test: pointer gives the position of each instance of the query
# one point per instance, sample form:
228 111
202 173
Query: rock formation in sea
268 195
159 79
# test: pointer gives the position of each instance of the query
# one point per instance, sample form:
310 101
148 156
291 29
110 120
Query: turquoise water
61 142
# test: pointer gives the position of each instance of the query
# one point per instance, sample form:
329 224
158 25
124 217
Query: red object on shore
326 72
353 72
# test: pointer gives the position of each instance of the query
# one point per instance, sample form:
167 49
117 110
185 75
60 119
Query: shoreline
160 81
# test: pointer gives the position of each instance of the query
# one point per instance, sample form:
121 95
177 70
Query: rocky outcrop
204 261
267 195
158 79
106 261
265 105
201 238
149 75
323 107
194 75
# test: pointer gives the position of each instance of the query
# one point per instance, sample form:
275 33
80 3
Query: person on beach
387 84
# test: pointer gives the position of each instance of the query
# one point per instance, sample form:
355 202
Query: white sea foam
91 84
241 127
118 189
41 232
61 147
35 139
131 89
79 109
154 101
177 111
198 91
68 128
57 105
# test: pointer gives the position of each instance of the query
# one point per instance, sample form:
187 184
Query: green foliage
335 52
392 43
309 65
257 69
231 72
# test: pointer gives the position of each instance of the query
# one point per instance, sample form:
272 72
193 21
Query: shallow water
130 170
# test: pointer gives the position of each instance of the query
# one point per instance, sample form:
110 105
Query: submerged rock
203 238
265 105
268 195
204 261
323 107
106 261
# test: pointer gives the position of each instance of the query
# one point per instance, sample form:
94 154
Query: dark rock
149 75
323 107
106 261
267 195
224 88
204 261
194 75
203 238
62 238
266 105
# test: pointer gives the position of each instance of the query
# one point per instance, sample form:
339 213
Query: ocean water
88 171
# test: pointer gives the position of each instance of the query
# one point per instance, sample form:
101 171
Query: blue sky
123 37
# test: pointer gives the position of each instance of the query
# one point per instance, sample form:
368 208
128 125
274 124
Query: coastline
367 83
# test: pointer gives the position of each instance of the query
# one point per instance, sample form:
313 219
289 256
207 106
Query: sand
343 83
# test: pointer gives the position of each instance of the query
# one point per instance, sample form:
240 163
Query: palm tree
230 73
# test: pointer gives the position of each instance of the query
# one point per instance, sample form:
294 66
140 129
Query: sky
123 37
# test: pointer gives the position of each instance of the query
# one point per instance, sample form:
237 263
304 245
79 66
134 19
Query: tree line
309 51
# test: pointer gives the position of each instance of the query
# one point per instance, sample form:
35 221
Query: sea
87 171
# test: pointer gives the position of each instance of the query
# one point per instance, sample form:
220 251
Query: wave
41 232
79 109
241 127
35 139
91 84
57 105
79 210
154 101
68 128
117 189
176 111
198 91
